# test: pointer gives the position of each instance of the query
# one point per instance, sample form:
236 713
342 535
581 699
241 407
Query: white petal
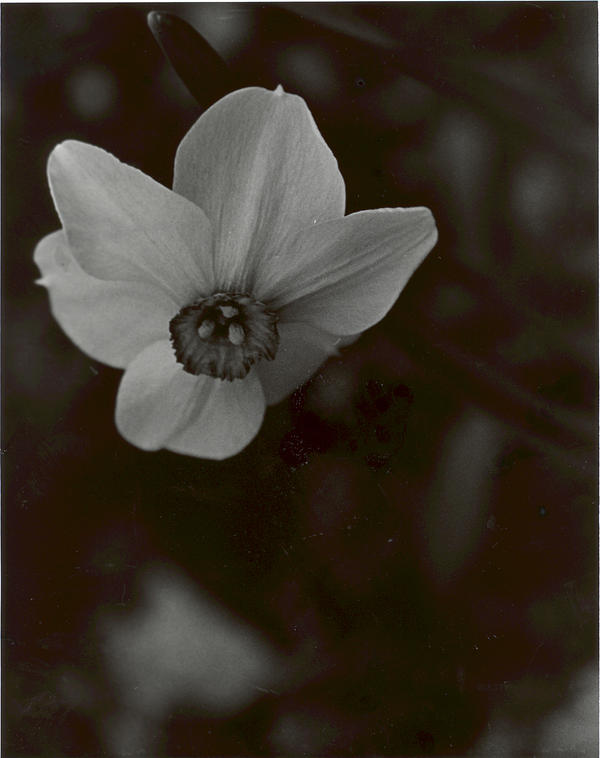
228 422
110 321
122 225
256 163
349 272
157 397
302 349
161 405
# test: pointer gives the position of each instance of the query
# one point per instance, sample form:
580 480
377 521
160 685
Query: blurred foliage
412 535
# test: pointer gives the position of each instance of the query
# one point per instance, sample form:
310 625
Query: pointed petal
302 349
122 225
157 397
350 272
160 405
228 422
110 321
256 163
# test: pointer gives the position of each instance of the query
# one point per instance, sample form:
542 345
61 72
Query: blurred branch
499 292
551 428
535 117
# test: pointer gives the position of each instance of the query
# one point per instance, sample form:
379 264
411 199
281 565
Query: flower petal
349 272
302 349
122 225
110 321
161 405
256 163
229 421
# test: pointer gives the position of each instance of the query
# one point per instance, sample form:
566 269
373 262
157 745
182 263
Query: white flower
227 293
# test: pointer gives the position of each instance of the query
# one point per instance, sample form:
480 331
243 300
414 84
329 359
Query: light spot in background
179 647
226 26
331 390
308 69
91 92
130 733
462 154
456 516
538 194
452 303
573 729
403 101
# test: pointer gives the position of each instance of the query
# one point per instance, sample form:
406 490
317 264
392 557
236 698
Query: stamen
236 334
205 329
229 311
207 341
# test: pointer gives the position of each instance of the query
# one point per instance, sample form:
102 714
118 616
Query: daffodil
228 292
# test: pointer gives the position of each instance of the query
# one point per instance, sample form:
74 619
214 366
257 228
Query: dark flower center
224 335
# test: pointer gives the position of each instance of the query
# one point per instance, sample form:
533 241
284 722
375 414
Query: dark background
405 557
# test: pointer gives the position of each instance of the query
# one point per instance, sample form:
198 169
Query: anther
205 329
229 311
224 335
236 334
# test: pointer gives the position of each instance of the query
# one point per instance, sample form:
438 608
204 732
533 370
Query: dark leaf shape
198 65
